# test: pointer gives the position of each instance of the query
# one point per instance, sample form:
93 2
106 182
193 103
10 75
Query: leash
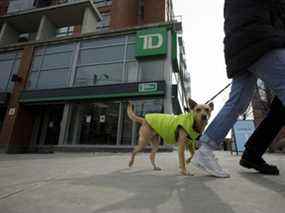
216 95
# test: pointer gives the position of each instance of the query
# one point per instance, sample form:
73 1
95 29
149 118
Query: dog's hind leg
155 146
136 150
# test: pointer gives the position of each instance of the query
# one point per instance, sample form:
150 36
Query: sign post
242 130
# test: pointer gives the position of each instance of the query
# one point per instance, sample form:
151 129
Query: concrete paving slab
102 183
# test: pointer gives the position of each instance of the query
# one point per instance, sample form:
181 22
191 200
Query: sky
203 36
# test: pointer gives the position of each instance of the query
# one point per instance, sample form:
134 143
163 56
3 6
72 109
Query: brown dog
149 133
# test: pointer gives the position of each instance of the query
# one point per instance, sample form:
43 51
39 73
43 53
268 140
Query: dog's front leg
191 151
181 153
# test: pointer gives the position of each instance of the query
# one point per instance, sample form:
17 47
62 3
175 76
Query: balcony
43 23
16 6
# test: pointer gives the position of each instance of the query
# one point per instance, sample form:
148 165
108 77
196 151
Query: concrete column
89 23
8 35
168 70
64 125
46 29
18 123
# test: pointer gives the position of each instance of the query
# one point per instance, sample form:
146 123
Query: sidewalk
102 183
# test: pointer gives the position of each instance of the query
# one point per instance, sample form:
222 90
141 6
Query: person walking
254 47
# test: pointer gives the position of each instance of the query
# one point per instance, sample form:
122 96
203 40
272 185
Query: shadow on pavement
150 191
264 181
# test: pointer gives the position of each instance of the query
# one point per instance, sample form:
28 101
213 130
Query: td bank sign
151 42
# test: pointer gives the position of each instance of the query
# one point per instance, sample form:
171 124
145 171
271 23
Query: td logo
151 42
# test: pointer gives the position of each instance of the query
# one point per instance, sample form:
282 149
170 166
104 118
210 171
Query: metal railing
16 6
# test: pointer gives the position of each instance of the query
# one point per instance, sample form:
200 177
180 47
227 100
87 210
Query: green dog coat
166 125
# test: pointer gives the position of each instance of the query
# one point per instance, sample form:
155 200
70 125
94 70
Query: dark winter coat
252 28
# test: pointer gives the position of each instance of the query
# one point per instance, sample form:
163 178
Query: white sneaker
205 160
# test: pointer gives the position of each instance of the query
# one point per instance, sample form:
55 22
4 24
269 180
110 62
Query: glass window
103 42
101 55
99 74
132 38
36 64
131 52
101 3
132 72
14 71
104 24
32 81
57 60
65 31
51 67
9 65
5 71
7 56
152 70
53 79
60 48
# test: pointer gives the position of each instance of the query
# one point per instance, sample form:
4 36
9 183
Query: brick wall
154 12
124 14
3 6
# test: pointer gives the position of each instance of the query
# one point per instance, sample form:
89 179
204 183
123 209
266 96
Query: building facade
69 68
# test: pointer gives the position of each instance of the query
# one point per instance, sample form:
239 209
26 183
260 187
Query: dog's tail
133 116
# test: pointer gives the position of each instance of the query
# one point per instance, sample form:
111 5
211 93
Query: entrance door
47 124
2 115
94 123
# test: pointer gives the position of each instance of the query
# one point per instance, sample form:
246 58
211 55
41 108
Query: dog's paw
184 173
188 161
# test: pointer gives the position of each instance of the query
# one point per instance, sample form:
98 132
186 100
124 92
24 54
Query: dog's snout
204 117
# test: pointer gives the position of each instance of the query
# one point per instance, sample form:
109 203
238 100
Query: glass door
2 116
94 123
47 124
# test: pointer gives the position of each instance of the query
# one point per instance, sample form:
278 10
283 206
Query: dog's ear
191 103
211 105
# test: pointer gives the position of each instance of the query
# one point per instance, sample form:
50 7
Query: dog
181 129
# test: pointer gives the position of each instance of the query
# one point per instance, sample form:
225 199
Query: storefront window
94 124
51 67
132 71
99 123
99 75
9 65
152 70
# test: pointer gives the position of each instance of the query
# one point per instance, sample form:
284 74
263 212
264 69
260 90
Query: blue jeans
271 69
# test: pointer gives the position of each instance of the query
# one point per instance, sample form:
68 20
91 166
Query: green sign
148 87
151 42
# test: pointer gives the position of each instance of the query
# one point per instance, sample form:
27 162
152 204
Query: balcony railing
16 6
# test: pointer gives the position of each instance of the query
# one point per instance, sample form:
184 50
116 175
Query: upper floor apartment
115 14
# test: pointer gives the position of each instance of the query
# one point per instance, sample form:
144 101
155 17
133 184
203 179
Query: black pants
268 129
